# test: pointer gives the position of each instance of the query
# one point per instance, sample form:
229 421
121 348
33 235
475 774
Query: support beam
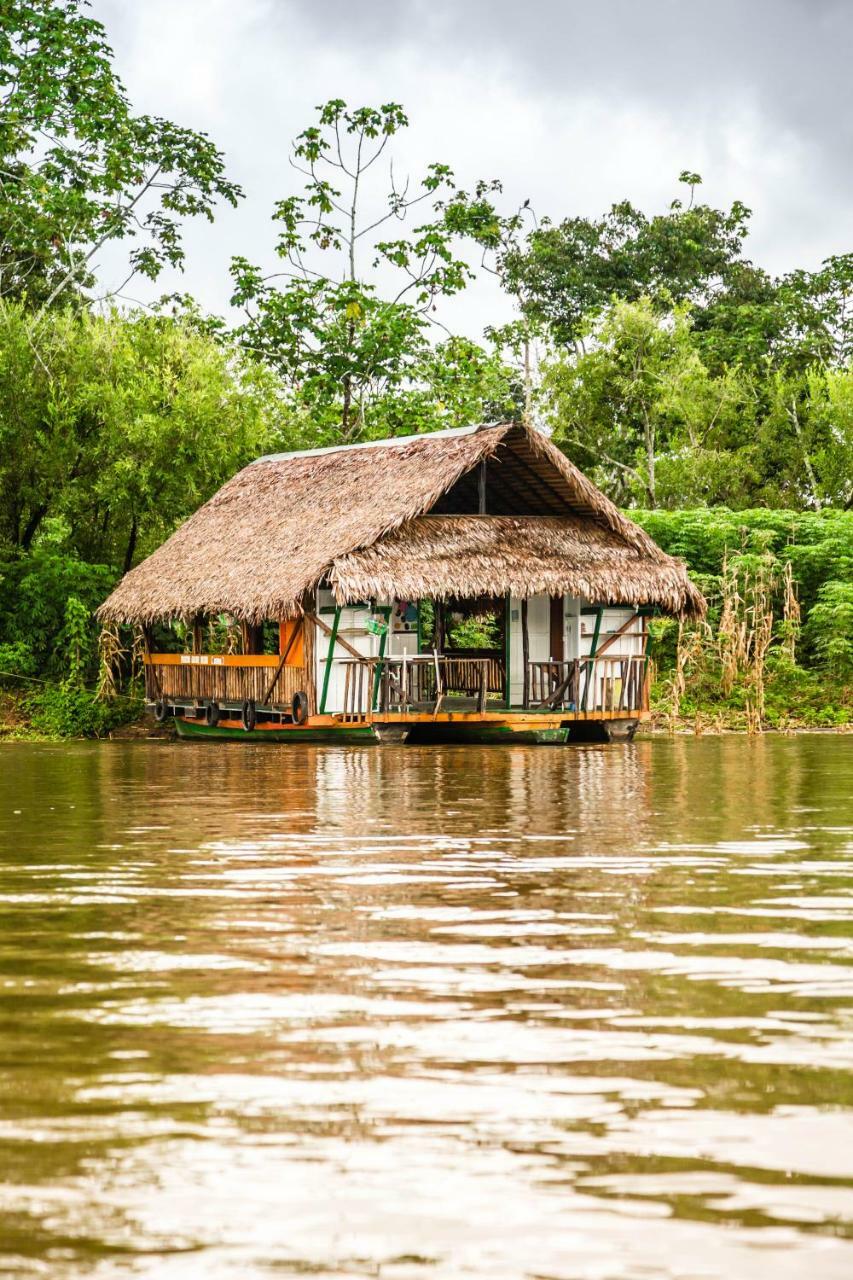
293 635
593 653
309 631
481 489
333 630
383 640
614 636
507 649
525 654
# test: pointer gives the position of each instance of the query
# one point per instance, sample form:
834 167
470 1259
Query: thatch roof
289 521
464 556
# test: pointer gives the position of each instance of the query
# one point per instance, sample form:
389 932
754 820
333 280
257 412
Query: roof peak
388 442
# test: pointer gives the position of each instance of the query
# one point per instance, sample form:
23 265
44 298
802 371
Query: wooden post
647 644
387 609
308 652
525 654
481 489
438 642
198 633
484 685
590 670
507 648
293 635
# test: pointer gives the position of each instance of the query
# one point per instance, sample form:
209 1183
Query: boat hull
479 734
194 729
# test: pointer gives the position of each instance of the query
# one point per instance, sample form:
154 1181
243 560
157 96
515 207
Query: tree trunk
649 432
131 546
31 528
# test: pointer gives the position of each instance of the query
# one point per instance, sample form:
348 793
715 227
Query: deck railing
376 685
419 681
589 684
221 678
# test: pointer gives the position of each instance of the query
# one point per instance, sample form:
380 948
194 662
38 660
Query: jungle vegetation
713 400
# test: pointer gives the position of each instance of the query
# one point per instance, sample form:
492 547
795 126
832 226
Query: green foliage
65 711
651 422
830 628
115 427
806 669
568 272
794 696
35 591
16 659
477 631
75 642
818 544
79 168
566 275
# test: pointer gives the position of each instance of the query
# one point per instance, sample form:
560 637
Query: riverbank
17 723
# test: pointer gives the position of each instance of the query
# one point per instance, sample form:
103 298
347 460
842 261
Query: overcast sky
572 105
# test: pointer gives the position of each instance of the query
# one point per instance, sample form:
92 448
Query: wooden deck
425 689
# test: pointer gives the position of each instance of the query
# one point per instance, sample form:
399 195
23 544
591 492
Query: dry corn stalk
791 613
110 653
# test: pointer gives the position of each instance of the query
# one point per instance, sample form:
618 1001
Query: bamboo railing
395 684
617 684
222 678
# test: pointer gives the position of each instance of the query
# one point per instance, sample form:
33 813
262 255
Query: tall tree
568 273
346 317
641 410
78 168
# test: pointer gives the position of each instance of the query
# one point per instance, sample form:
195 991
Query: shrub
16 659
63 711
830 629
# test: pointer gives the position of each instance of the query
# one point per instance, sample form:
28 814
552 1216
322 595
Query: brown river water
577 1013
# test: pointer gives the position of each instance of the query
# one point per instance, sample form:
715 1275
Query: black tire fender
248 715
299 707
212 714
161 711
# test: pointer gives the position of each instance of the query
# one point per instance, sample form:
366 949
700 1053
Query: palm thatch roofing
491 555
397 518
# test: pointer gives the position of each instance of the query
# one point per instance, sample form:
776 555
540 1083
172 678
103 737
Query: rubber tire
161 711
299 707
212 714
248 715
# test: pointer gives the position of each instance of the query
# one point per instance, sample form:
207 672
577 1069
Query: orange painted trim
513 721
211 660
296 657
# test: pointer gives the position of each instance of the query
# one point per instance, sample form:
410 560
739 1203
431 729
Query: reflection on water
548 1013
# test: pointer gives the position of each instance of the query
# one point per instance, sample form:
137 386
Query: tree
641 412
114 428
567 273
346 319
77 168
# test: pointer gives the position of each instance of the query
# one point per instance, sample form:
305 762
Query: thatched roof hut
401 517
